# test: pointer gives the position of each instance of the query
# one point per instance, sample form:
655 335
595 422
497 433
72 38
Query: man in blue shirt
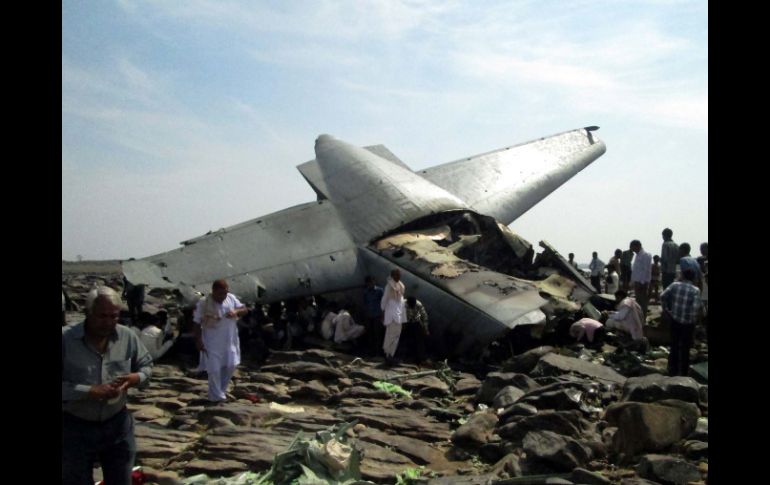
373 314
100 361
688 262
681 304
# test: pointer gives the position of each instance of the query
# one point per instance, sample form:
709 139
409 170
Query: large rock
418 451
240 414
476 431
313 390
667 470
306 371
467 384
405 421
254 447
319 356
524 363
427 386
361 392
567 423
583 476
147 413
507 396
656 387
518 409
495 381
559 400
380 463
562 453
555 364
650 426
509 464
158 442
695 450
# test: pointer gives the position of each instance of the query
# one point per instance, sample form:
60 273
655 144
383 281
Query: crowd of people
101 358
674 279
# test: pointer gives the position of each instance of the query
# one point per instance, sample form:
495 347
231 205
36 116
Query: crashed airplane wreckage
444 227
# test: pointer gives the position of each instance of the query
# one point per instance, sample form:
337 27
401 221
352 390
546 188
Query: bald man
216 335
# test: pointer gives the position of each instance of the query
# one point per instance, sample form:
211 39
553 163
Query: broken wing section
508 182
371 190
469 258
295 252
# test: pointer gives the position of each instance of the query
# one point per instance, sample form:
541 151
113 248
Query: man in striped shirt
681 303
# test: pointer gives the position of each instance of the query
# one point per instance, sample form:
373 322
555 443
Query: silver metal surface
367 193
508 182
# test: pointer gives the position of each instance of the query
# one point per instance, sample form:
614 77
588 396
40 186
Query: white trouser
219 379
392 333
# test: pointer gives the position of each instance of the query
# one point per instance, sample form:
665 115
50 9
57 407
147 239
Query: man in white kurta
393 305
217 336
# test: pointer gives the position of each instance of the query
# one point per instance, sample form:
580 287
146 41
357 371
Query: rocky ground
555 415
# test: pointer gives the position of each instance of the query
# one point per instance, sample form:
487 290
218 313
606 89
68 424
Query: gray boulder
562 453
495 381
650 426
583 476
476 431
695 450
518 409
656 387
567 423
524 363
467 384
507 396
667 470
555 364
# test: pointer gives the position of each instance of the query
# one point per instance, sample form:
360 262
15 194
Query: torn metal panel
553 257
508 299
562 291
457 327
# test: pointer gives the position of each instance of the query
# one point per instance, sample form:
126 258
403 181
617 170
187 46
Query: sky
180 117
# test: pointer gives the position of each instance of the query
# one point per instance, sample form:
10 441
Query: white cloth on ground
345 328
629 318
327 326
152 338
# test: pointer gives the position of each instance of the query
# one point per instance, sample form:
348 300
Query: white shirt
628 318
393 302
596 266
641 270
219 333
